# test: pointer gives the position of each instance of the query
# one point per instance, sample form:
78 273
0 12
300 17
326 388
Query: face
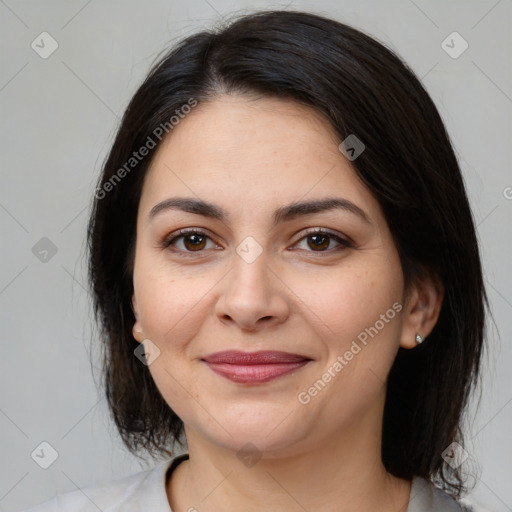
253 271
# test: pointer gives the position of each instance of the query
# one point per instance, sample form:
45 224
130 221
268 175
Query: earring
419 339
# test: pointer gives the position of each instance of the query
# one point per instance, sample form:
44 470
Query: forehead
250 152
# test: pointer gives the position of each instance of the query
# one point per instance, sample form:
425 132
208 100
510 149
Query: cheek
361 322
171 310
168 304
351 299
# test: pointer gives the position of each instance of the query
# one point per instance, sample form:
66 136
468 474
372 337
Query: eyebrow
282 214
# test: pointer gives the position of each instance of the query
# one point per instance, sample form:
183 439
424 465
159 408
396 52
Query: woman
285 267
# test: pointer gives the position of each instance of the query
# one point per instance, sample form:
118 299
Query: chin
259 444
272 430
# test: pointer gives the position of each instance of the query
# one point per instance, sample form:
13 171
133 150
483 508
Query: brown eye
194 242
187 241
320 242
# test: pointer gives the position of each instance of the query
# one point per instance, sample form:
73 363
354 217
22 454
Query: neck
342 472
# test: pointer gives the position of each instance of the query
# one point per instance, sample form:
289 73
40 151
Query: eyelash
168 241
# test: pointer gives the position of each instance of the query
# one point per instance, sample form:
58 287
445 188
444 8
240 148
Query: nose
252 297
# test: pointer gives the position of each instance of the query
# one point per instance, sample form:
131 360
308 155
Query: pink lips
254 367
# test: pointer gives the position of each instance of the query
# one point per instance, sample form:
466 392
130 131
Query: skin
251 156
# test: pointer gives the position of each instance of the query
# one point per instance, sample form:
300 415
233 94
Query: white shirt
145 492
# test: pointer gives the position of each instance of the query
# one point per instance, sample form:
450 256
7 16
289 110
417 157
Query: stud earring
419 339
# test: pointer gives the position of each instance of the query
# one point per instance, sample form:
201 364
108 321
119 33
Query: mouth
254 367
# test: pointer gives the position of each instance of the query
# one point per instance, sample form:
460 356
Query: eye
195 240
189 240
320 240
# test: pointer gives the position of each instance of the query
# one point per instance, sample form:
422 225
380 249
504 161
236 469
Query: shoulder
468 506
425 497
140 491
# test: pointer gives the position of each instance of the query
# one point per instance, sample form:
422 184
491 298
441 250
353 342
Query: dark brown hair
409 165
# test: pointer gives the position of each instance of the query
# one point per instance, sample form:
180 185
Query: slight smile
254 367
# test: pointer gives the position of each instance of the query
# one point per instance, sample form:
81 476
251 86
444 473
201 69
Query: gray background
59 116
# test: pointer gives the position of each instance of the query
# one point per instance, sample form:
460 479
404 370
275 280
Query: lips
254 367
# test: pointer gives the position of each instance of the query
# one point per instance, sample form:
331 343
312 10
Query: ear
137 328
422 310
